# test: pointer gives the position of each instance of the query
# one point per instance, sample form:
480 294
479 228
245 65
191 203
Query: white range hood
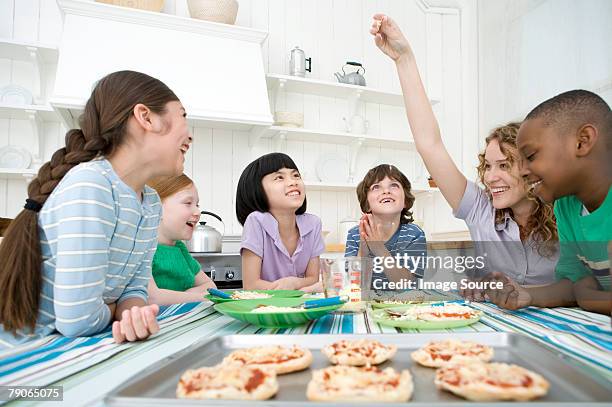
215 69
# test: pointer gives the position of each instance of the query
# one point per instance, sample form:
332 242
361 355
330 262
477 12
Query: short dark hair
379 173
574 108
250 195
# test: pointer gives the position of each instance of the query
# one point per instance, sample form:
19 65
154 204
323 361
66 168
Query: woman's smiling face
502 177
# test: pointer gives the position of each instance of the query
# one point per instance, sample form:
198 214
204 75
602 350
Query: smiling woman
520 226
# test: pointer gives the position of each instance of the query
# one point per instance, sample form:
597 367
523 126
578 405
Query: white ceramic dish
15 157
332 167
15 95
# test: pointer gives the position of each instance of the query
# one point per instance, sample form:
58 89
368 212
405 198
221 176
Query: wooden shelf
40 55
348 186
324 136
335 89
26 51
14 173
70 110
24 112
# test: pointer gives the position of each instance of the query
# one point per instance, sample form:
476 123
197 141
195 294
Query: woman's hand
512 296
136 323
389 38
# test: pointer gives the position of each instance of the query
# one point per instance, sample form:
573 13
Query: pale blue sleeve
80 219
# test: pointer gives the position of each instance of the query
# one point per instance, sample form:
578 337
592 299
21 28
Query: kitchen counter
582 338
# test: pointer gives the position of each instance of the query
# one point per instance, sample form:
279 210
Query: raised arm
426 132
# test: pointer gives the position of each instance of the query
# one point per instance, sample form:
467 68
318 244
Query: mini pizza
249 295
491 381
442 353
358 353
350 383
228 382
448 312
278 358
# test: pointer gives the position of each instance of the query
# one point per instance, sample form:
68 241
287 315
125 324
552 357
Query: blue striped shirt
97 241
408 239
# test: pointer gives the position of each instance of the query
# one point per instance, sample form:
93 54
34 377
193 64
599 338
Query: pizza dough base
344 358
423 357
292 365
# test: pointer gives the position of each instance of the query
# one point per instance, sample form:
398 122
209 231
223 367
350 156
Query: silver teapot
353 78
206 239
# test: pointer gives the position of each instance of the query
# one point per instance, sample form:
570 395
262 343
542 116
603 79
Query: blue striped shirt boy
97 241
408 239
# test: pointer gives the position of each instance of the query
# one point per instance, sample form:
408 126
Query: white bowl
15 157
289 119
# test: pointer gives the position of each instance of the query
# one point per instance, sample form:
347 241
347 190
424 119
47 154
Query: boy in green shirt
566 145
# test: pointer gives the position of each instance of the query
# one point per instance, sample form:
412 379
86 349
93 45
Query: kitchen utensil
342 277
241 310
356 125
273 293
219 293
353 78
297 63
15 95
15 157
571 383
206 239
332 168
218 11
149 5
323 302
289 119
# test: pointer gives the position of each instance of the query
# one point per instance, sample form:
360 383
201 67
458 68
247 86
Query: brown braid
103 125
542 225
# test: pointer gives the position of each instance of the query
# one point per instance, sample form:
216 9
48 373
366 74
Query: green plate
380 316
273 293
241 310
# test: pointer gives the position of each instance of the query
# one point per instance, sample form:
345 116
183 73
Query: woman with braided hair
78 257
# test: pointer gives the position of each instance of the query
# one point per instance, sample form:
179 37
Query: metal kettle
206 239
353 78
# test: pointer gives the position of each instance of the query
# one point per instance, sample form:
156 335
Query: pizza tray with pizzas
513 357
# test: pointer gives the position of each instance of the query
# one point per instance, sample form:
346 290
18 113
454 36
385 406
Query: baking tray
569 385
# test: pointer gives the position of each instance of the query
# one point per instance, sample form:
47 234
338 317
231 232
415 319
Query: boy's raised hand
388 37
373 234
136 323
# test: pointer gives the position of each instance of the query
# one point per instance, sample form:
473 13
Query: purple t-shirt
260 235
502 242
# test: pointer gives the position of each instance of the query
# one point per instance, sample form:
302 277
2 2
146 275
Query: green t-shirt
584 240
174 268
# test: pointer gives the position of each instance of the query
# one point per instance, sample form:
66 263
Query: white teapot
357 125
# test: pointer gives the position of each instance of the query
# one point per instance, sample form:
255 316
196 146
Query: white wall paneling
331 33
532 50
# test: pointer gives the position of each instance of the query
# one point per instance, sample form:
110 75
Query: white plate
15 95
15 157
332 167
